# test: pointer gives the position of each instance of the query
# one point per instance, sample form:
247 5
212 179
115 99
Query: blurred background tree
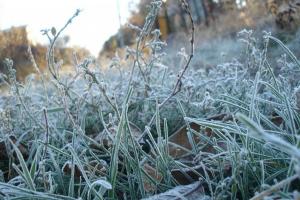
226 15
14 44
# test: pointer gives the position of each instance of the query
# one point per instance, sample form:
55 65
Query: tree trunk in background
208 8
163 22
197 10
228 5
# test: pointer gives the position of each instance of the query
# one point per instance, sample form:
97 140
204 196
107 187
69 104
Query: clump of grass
95 136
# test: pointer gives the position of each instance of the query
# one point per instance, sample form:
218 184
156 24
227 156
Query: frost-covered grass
80 136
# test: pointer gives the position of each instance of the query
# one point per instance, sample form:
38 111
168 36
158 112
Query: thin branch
50 54
178 85
102 89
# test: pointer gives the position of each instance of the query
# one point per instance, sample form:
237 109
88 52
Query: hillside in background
14 44
213 19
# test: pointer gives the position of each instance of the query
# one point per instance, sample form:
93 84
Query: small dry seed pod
53 31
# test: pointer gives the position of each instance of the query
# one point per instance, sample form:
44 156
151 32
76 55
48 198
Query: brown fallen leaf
221 117
105 139
67 169
179 144
151 171
4 151
276 119
186 176
98 169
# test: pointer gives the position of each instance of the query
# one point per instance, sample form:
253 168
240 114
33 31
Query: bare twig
50 53
51 64
177 87
178 84
145 31
102 89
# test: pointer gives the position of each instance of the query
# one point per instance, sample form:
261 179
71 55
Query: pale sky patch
96 23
